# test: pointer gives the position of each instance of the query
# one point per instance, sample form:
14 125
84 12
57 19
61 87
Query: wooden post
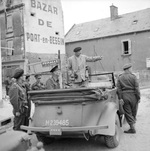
59 67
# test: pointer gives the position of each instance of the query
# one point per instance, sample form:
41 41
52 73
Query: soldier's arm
93 59
119 90
137 90
69 64
13 94
69 67
42 86
34 87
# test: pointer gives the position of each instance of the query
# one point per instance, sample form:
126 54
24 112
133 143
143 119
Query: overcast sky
80 11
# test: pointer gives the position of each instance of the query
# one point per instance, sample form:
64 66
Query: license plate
56 122
55 130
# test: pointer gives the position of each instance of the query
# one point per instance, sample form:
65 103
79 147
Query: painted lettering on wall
33 37
49 40
46 23
44 7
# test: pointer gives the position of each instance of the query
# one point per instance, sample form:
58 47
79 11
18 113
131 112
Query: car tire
46 140
113 141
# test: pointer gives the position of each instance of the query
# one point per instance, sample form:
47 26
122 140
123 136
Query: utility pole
0 71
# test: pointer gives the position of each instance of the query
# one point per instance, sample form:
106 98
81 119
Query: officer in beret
18 99
38 85
77 67
129 95
53 81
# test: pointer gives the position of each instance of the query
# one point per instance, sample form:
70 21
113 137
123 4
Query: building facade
119 39
32 31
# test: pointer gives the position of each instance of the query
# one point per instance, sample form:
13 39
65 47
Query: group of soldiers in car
127 88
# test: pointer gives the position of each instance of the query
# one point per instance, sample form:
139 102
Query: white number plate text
56 122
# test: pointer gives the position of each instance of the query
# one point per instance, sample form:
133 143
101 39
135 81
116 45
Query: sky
80 11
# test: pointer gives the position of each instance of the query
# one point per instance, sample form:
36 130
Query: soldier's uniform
17 94
53 82
128 90
38 85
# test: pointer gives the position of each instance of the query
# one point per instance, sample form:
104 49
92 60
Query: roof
126 23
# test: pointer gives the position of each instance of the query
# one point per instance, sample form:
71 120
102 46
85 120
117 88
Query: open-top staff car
88 112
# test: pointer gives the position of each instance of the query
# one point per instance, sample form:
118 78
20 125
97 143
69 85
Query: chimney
113 12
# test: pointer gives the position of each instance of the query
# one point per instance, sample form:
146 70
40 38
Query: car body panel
90 110
14 141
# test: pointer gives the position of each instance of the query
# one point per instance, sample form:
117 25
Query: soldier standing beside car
77 67
129 95
18 99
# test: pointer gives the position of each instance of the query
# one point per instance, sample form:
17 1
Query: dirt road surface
129 142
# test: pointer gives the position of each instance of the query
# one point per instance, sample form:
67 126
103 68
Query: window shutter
9 23
10 47
129 44
17 23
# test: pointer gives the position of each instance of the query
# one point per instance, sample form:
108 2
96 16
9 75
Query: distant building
119 38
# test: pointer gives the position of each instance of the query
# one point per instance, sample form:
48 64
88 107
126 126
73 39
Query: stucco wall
111 50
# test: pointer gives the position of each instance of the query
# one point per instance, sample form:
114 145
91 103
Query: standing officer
129 95
18 99
28 88
38 85
77 66
53 81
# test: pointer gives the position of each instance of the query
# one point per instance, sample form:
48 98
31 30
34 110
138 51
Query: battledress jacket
38 86
127 82
52 83
17 96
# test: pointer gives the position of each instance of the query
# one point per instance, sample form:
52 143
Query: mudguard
14 141
107 118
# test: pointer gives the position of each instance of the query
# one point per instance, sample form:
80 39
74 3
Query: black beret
127 66
54 68
77 49
18 73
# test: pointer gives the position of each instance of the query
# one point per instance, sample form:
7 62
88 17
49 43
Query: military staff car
88 112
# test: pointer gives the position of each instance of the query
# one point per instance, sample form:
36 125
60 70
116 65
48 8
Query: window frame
123 47
9 23
10 49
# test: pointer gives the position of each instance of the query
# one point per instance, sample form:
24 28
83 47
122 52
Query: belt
124 91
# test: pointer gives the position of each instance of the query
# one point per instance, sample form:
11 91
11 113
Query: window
126 47
9 23
10 47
